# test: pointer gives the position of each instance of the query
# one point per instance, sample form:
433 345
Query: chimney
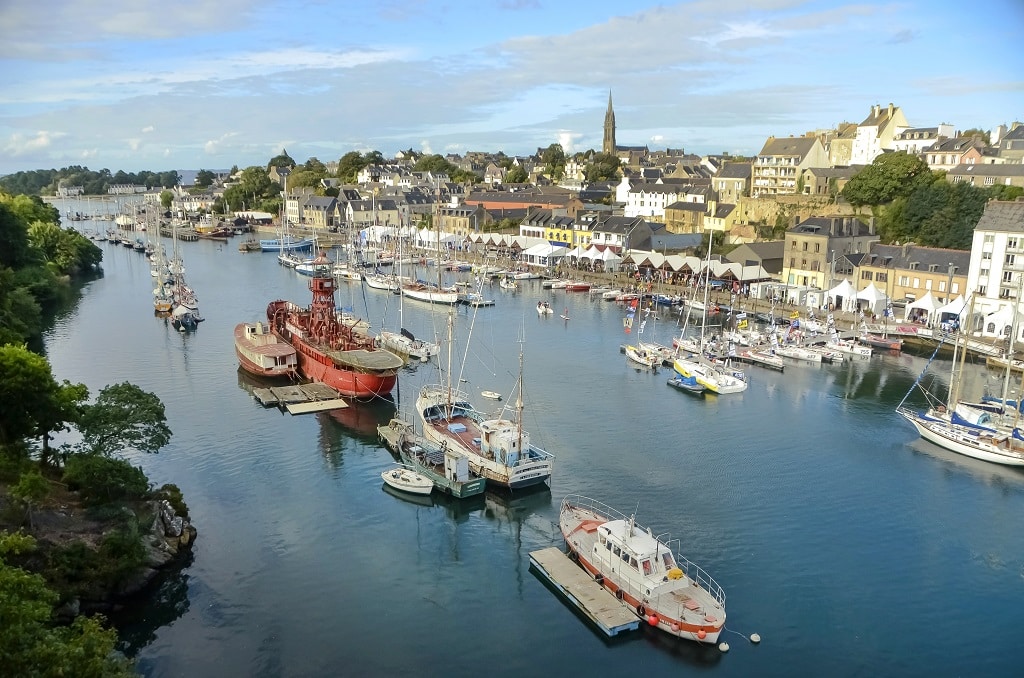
874 111
796 219
890 109
871 226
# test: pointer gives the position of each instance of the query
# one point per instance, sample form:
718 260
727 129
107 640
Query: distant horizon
224 83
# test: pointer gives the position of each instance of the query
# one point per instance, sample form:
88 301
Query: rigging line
924 371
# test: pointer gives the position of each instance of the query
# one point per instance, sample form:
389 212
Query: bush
104 479
172 493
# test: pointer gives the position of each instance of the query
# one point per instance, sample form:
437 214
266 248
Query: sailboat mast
1009 347
954 382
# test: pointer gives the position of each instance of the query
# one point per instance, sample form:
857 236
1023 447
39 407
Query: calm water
851 547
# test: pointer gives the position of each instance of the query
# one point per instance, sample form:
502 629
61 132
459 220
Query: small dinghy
493 395
687 384
405 479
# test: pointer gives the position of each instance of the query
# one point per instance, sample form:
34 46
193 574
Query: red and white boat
663 588
577 286
263 353
329 351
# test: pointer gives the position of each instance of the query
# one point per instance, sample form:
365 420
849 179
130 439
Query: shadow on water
139 618
458 510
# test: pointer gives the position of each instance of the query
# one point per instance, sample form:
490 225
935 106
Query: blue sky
140 84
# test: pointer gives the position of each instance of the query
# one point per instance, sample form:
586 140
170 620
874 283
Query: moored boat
663 588
328 350
881 342
263 353
448 469
405 479
687 385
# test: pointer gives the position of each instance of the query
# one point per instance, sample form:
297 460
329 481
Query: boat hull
315 365
682 601
262 354
949 437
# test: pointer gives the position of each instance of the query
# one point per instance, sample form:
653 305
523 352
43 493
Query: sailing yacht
964 428
498 449
715 376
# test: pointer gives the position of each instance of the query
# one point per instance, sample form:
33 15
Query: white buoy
724 647
755 638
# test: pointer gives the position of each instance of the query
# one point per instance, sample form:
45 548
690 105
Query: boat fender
599 579
618 594
574 557
641 610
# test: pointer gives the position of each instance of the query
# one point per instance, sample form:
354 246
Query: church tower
608 146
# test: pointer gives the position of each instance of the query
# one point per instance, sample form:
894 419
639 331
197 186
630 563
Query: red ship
330 352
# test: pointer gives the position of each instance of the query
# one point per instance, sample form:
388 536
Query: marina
807 496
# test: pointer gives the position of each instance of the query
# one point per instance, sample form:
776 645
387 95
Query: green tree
101 480
350 165
30 490
35 405
15 251
433 163
254 188
890 176
281 160
985 136
166 198
553 158
205 178
602 167
123 417
516 175
31 645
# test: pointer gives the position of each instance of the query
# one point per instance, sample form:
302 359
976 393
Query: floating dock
300 398
603 609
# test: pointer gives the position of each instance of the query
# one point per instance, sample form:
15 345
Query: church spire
608 145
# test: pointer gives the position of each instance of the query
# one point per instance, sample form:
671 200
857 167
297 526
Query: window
989 238
1011 243
986 255
866 275
647 567
882 277
942 285
904 281
928 284
794 245
982 290
616 550
1009 259
817 247
792 262
989 181
955 289
1007 276
805 246
667 559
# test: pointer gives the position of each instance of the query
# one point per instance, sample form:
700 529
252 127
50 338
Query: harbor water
851 547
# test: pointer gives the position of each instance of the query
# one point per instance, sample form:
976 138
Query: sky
154 85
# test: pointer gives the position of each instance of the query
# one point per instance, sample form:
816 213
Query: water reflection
164 601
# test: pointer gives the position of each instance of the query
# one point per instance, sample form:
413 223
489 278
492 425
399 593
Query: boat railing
694 572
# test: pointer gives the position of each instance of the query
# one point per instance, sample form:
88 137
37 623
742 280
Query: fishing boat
328 350
405 479
498 448
447 469
667 591
262 353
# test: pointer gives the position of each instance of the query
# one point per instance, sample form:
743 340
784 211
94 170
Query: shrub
104 479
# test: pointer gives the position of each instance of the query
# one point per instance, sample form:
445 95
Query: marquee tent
926 306
873 299
844 296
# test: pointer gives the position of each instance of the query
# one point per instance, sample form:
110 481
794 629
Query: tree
30 489
205 178
985 136
254 187
123 417
14 246
281 160
890 176
166 198
603 166
31 645
553 158
34 404
516 175
350 165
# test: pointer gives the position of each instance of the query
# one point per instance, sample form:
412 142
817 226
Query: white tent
844 296
576 252
873 298
954 309
542 254
608 258
926 307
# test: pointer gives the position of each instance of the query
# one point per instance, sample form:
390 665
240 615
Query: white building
997 267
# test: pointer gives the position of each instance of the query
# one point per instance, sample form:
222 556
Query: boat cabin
503 441
635 555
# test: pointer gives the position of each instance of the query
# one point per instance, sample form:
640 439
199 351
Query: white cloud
147 128
134 144
657 138
214 146
89 153
568 140
425 147
19 144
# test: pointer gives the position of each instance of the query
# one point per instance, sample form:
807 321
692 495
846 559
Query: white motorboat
404 343
526 275
429 293
544 308
611 295
405 479
663 588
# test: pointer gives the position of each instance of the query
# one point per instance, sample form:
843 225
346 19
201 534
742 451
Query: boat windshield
667 559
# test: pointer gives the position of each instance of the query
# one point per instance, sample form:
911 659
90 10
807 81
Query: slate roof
1002 215
925 258
988 170
788 146
735 170
688 206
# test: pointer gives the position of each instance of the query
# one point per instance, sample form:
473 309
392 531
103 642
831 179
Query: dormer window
932 268
913 265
